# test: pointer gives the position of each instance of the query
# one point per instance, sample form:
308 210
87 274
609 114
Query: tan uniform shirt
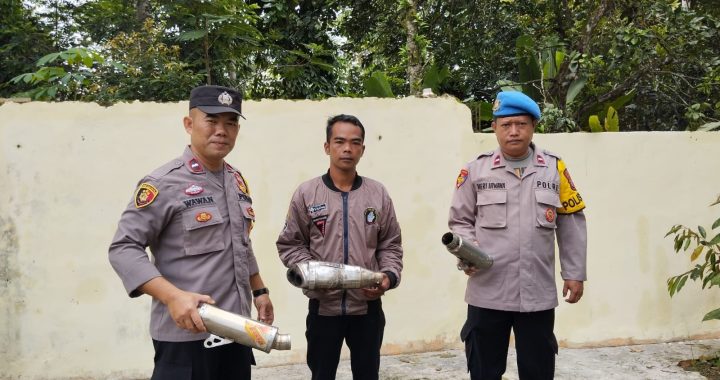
358 227
198 232
515 220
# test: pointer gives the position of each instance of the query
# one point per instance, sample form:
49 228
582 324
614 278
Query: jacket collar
539 158
329 182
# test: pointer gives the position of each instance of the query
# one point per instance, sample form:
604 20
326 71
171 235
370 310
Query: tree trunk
206 54
141 11
414 68
565 77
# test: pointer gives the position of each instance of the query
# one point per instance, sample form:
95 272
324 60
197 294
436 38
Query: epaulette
228 166
549 153
486 154
165 169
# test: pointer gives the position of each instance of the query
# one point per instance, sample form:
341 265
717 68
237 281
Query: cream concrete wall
68 170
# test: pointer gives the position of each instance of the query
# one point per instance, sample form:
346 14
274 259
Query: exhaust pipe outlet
325 275
467 251
227 327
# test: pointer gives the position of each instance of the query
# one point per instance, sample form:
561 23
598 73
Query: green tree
298 57
134 66
703 244
23 40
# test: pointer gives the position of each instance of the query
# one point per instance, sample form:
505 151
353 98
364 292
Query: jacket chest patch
198 201
547 185
194 189
203 217
490 185
371 215
319 222
314 209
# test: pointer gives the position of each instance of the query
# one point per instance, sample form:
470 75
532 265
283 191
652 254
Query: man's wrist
258 292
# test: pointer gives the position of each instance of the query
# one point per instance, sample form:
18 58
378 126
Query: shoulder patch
145 194
569 196
241 183
462 177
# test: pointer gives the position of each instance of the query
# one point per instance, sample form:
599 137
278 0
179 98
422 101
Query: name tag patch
490 185
317 208
198 201
244 198
547 185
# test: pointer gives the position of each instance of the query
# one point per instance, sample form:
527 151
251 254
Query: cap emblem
496 105
225 98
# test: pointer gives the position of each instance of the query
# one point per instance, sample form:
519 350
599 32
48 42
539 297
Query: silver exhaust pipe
227 327
467 251
325 275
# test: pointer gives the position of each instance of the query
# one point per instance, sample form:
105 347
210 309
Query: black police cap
216 99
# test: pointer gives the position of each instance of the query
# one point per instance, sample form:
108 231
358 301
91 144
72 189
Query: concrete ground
650 361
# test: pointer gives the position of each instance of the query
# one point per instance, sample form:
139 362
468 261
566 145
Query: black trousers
192 361
487 336
363 334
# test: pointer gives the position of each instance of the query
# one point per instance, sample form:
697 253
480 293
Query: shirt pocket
547 204
203 230
492 209
371 235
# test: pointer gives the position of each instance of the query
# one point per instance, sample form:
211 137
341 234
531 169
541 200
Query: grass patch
706 366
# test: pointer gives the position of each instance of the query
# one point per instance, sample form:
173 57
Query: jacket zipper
345 245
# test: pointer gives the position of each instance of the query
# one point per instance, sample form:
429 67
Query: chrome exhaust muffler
326 275
466 251
227 327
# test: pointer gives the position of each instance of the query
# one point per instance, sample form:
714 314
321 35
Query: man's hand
183 308
576 290
181 305
466 267
264 307
376 291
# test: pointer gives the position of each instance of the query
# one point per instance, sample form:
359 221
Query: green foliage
23 40
434 77
594 123
142 67
377 85
65 75
612 122
138 66
701 241
655 63
555 119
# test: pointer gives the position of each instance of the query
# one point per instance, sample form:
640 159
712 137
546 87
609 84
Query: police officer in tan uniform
512 202
195 213
344 218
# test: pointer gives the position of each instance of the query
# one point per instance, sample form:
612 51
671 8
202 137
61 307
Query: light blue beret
514 103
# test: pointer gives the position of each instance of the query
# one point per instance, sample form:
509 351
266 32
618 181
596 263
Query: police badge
225 98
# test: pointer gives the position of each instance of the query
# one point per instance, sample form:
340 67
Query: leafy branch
708 272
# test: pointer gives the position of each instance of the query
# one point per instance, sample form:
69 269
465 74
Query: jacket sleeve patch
145 194
462 177
569 196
